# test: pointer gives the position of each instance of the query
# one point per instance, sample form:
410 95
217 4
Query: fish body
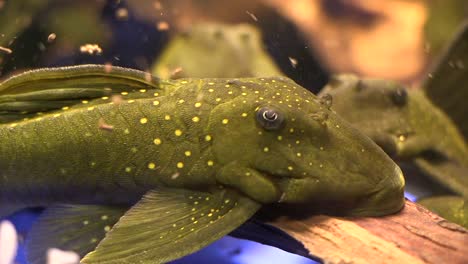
213 50
121 158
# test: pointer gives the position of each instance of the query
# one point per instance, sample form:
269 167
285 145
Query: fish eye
399 96
269 118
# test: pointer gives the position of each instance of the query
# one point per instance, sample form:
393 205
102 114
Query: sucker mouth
388 197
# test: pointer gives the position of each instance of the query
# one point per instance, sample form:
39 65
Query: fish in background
426 127
215 50
133 168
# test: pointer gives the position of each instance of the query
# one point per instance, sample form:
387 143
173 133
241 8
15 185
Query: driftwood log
414 235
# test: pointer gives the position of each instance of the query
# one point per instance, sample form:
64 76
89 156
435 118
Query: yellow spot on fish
244 114
56 115
210 163
104 217
142 91
155 102
218 99
211 83
144 120
195 119
210 90
266 149
167 117
104 97
39 119
157 141
128 169
291 130
208 138
197 104
181 101
107 228
321 148
210 214
178 132
124 93
65 108
183 82
151 166
84 101
225 121
91 108
85 222
290 168
298 154
156 94
227 201
126 131
280 138
188 153
134 150
227 85
247 174
244 93
131 101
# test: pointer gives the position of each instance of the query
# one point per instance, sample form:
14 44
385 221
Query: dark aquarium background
307 39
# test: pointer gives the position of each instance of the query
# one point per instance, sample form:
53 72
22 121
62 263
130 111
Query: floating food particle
162 26
51 37
121 13
7 50
293 61
252 16
91 49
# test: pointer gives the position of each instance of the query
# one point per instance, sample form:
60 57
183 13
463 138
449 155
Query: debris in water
121 13
116 99
157 5
162 26
51 37
252 16
175 175
92 49
7 50
293 61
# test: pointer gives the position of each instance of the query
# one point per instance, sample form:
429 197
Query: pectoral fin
168 224
447 84
78 228
50 89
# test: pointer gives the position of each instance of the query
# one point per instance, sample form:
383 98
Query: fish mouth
386 198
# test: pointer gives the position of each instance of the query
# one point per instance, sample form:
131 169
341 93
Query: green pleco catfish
213 50
426 127
452 208
134 169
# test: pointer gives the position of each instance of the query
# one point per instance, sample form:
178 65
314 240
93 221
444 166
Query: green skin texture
65 156
406 131
204 50
452 208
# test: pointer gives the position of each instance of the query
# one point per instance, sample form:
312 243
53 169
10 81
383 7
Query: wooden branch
414 235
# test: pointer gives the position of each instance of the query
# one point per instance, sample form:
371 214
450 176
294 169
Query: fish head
403 122
308 153
212 45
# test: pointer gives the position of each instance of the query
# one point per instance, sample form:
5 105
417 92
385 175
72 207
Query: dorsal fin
447 84
50 89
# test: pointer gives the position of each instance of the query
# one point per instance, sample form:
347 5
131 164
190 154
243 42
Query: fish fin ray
77 228
167 224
